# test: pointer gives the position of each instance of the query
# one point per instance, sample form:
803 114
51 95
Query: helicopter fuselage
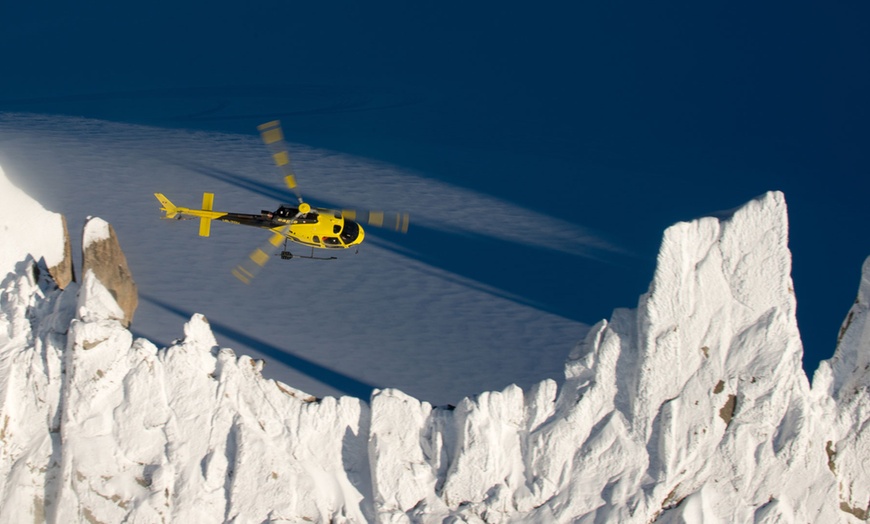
320 228
300 223
316 227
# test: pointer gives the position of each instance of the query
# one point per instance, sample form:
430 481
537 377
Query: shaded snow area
693 407
386 316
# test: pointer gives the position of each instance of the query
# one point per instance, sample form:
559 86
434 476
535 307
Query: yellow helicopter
313 227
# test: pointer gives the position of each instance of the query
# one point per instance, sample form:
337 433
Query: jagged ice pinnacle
692 407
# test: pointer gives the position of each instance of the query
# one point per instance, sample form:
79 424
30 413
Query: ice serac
194 434
101 254
98 426
843 385
693 407
34 318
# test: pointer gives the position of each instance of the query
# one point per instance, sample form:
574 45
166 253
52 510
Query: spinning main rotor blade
251 266
386 220
273 137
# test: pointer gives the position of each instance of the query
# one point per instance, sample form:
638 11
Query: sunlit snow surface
17 243
691 408
379 318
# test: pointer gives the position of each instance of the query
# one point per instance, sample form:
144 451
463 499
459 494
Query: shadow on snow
568 285
344 383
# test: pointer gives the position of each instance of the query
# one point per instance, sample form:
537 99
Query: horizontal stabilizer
204 226
205 222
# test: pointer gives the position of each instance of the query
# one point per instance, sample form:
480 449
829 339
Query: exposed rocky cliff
102 254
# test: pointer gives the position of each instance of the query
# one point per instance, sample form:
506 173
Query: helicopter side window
336 229
331 242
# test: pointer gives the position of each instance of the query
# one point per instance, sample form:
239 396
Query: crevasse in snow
691 407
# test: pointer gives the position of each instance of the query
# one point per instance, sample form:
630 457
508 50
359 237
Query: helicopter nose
362 235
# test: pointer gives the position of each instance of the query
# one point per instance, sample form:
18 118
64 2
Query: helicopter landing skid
286 255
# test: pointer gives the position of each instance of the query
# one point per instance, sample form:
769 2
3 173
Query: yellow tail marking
259 257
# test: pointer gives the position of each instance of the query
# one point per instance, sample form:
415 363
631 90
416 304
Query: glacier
691 407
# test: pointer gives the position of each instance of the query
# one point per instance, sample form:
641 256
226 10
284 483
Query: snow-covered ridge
48 241
692 407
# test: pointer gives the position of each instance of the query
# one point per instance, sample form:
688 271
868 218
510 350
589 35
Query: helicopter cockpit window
336 229
331 242
351 231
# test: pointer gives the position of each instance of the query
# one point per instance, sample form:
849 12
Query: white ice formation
693 407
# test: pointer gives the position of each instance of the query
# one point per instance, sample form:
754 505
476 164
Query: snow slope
384 317
692 407
45 241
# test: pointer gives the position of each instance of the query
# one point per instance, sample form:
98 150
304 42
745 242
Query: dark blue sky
622 117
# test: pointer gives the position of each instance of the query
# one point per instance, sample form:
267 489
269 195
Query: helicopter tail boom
205 215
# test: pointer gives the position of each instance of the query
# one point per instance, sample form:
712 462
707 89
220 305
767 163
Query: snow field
386 317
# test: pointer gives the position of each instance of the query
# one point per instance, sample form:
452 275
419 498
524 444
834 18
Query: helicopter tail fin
205 222
168 206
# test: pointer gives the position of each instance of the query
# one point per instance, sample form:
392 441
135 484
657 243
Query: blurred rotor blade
251 266
273 137
386 220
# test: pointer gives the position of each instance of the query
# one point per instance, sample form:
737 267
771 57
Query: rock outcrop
63 273
102 254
